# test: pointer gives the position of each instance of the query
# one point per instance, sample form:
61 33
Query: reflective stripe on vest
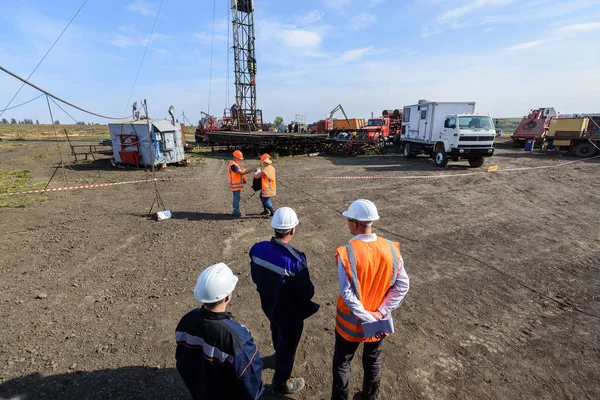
396 259
358 335
347 324
268 182
235 179
350 318
354 275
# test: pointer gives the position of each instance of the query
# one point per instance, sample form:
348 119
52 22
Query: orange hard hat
238 154
264 157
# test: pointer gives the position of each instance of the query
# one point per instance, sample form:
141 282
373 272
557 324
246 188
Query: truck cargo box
351 124
567 127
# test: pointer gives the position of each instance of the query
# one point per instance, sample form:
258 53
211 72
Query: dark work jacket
216 357
280 273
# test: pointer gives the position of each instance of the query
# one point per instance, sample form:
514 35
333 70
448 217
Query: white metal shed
146 142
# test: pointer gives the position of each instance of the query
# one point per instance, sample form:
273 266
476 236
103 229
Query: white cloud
361 20
539 10
289 41
490 29
142 7
354 55
300 38
426 32
468 8
527 45
587 27
309 18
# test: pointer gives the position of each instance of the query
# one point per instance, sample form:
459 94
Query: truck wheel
441 159
476 162
408 153
584 149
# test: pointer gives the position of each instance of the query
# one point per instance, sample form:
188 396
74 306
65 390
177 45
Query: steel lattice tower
247 117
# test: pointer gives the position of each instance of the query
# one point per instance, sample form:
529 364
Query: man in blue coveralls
280 273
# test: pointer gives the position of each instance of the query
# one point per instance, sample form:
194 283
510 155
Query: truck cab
465 136
389 124
374 128
447 131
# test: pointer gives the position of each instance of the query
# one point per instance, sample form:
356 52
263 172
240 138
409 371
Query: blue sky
509 56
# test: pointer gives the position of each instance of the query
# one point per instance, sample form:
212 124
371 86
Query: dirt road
91 290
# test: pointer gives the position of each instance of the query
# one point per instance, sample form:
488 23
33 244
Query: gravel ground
504 300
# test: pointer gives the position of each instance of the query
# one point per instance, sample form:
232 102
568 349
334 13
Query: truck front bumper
470 153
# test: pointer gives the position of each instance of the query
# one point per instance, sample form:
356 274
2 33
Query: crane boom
336 109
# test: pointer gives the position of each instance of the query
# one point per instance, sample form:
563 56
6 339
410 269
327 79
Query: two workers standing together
236 177
217 357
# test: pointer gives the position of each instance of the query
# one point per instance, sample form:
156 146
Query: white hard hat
284 218
215 283
362 210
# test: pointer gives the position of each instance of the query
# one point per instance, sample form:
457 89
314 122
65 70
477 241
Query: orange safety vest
269 186
372 268
236 179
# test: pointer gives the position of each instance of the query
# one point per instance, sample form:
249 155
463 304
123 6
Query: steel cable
43 58
144 56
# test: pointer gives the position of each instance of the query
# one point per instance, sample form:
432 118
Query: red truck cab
386 126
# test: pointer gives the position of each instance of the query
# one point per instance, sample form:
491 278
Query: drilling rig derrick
244 114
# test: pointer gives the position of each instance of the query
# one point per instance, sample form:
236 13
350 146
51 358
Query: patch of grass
17 181
40 154
19 138
508 125
22 202
274 155
197 152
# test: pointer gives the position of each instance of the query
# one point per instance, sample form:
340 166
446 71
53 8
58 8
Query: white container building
147 142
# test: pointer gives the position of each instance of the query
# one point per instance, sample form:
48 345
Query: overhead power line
22 104
144 56
63 110
25 81
43 58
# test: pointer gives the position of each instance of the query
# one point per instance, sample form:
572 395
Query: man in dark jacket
280 273
216 356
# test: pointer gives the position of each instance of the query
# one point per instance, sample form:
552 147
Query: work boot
265 211
291 386
271 211
339 394
370 390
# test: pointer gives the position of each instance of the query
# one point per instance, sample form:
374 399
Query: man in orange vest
236 176
373 283
268 184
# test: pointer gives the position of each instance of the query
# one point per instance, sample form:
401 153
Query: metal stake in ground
62 164
163 213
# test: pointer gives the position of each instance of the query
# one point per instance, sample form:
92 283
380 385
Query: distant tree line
27 121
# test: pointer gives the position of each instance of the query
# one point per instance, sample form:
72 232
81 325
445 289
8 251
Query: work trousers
342 359
266 201
285 343
236 202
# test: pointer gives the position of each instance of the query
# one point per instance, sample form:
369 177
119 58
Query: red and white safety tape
491 169
97 185
390 176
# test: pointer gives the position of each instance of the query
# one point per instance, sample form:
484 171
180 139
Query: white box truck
447 131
